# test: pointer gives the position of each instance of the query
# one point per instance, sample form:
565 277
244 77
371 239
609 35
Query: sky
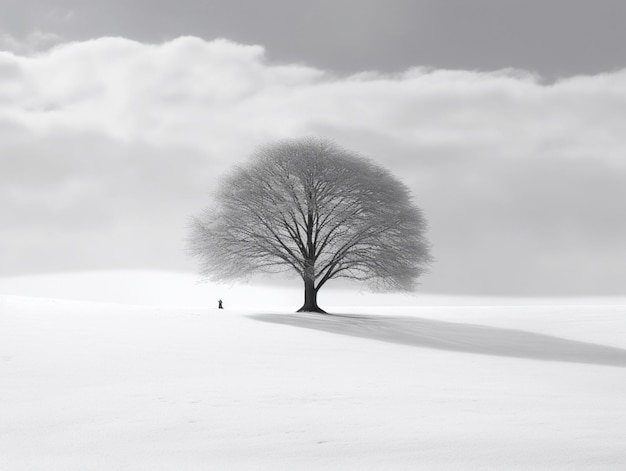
505 118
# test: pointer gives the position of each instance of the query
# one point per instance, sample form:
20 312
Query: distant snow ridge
140 287
176 289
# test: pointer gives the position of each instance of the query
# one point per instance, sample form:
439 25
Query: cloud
61 15
33 42
108 145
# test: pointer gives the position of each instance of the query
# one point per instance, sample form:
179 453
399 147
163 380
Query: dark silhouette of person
219 304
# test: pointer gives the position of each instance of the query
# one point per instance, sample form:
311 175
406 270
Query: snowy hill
173 289
89 385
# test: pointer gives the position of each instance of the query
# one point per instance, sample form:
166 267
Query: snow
103 371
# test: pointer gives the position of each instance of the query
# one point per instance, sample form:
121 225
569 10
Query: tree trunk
310 298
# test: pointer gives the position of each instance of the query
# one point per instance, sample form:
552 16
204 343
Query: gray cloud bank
107 147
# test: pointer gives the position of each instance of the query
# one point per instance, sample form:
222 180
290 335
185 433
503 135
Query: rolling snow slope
97 386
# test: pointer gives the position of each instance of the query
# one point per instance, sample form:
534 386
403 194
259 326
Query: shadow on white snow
452 336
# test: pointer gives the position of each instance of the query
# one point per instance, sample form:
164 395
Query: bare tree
310 206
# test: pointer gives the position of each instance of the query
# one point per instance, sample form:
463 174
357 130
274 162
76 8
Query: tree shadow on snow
469 338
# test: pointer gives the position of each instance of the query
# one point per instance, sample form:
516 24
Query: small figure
219 304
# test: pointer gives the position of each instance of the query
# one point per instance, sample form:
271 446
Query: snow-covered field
139 371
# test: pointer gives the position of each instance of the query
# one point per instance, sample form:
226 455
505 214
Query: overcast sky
506 118
554 38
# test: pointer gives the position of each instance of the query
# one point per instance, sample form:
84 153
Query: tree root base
316 309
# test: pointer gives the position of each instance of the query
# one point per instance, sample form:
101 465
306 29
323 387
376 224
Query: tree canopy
313 208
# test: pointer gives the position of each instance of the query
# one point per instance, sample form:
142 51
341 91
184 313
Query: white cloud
111 139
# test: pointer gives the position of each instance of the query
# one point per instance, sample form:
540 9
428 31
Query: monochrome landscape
330 235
